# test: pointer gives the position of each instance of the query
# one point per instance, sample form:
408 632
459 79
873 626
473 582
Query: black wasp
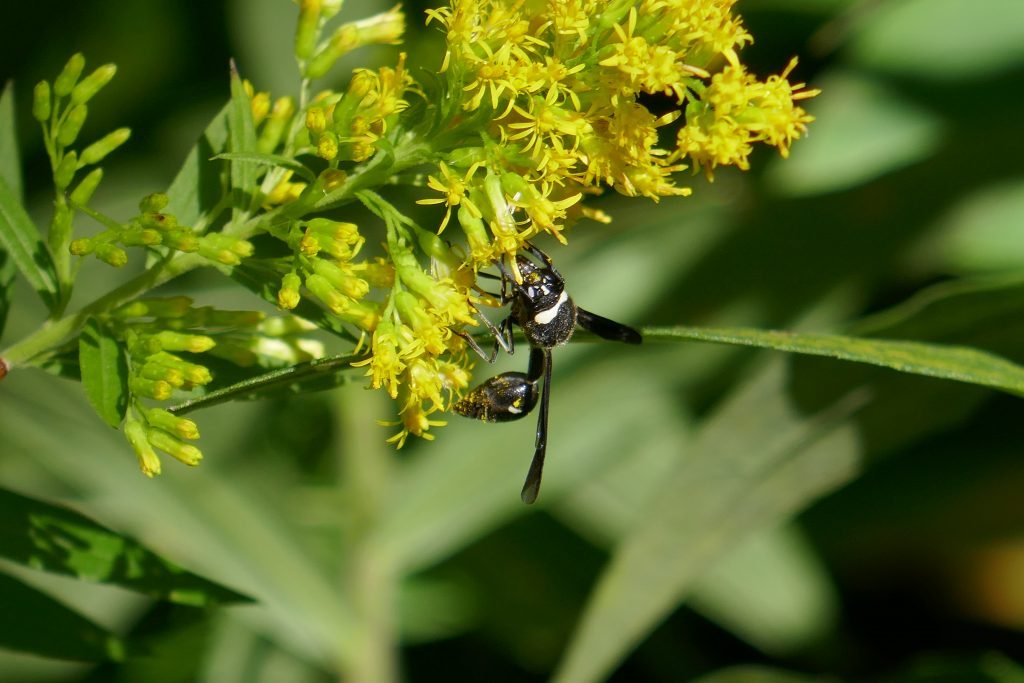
548 317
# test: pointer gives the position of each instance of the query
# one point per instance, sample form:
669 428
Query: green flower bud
327 146
135 432
316 119
167 442
155 389
169 422
224 249
181 240
161 373
65 171
177 341
260 106
72 125
95 152
93 83
111 254
83 192
139 237
82 247
164 307
157 221
323 290
68 77
154 203
192 372
288 296
346 283
476 233
41 104
308 28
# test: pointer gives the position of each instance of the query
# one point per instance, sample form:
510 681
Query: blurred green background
708 513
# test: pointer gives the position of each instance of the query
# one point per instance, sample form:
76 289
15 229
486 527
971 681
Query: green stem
52 334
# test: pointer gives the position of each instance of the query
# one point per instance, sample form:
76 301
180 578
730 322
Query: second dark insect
546 313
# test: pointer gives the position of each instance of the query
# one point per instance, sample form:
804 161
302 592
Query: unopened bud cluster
166 340
152 228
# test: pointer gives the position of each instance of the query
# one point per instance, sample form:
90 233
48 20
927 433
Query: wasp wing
605 328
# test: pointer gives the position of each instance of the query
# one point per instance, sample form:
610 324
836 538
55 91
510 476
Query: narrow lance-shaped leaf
242 141
960 363
10 171
735 481
104 372
197 186
55 539
19 237
10 160
275 160
31 621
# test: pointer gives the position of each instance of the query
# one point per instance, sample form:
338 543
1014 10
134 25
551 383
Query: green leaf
197 188
753 673
7 272
10 159
55 539
261 159
981 234
32 621
242 141
10 171
104 372
772 591
20 238
959 363
942 39
755 462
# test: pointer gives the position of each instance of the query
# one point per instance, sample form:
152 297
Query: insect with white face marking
548 317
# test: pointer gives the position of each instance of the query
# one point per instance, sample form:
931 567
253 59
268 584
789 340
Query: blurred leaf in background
711 513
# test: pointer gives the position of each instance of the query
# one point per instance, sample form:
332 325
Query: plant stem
53 333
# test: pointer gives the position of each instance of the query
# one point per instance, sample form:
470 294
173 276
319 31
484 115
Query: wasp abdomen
502 398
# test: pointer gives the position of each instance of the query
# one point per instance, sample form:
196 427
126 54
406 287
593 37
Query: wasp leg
540 364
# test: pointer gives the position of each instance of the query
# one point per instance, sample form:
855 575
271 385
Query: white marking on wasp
547 315
514 410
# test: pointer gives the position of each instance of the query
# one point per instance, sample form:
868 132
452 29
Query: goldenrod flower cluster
555 87
535 105
165 340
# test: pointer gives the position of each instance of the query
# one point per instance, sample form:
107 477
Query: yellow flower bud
172 445
135 432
